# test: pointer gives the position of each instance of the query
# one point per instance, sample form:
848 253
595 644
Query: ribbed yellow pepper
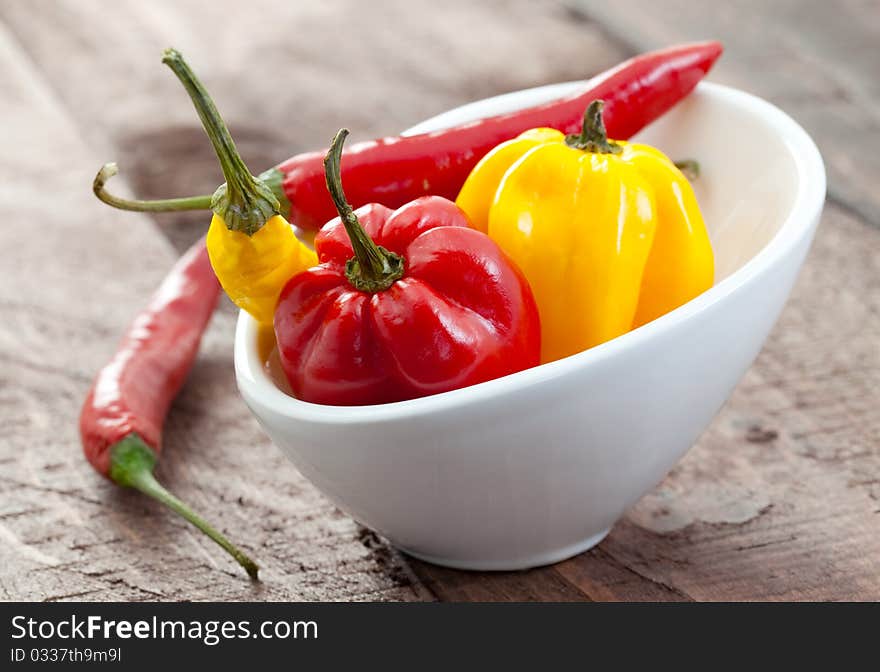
608 233
253 250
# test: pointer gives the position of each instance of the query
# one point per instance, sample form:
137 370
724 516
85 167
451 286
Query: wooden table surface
780 498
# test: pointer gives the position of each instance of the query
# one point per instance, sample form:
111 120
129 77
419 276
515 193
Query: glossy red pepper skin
132 393
461 314
394 171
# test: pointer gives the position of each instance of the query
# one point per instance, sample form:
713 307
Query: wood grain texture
73 276
82 85
780 499
817 60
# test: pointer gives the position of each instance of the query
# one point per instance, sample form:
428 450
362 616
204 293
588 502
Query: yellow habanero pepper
253 249
608 233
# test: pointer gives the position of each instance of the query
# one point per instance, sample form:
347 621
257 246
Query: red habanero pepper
122 417
394 171
403 304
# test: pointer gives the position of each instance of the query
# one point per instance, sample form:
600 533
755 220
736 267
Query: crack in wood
68 596
659 583
77 494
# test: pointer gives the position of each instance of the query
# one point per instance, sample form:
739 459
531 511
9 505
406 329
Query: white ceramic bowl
537 466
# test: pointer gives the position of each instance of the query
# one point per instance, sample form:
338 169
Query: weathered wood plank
72 277
779 499
375 67
817 60
530 586
82 85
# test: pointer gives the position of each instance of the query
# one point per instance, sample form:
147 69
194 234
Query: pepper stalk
373 268
593 136
131 465
244 202
272 178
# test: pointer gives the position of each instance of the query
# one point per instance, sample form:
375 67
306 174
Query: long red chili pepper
122 417
394 171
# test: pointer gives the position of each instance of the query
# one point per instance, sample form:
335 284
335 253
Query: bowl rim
256 384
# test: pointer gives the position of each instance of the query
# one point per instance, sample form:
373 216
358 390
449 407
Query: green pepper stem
131 465
690 168
373 268
593 137
245 202
273 177
108 170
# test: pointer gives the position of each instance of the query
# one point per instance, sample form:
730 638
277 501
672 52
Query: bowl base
529 562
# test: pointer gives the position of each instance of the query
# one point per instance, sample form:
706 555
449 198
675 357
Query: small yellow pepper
253 249
253 269
608 233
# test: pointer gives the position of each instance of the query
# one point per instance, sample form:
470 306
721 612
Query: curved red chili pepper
442 307
122 417
396 170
